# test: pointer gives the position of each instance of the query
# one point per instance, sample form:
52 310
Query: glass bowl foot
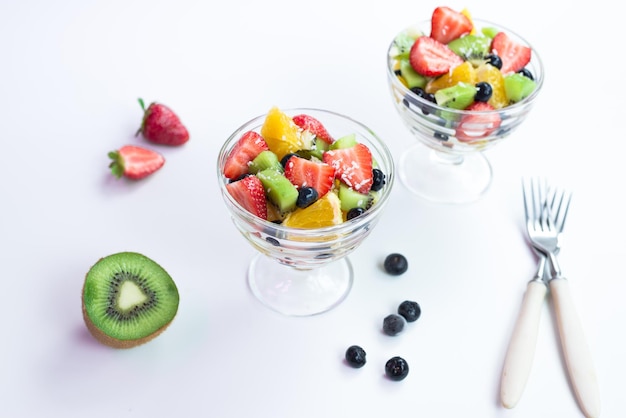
444 178
294 292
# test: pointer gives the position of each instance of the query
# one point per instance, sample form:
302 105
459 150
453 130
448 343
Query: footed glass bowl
448 165
303 272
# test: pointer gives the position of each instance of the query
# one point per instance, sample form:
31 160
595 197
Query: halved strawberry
314 126
353 166
447 25
302 172
249 193
245 150
431 58
478 125
135 162
514 55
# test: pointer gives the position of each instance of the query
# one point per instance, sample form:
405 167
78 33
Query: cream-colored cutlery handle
575 349
521 351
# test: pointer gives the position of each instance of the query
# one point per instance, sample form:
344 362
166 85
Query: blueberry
494 60
484 91
393 324
409 310
396 368
354 212
379 179
306 197
355 356
396 264
526 73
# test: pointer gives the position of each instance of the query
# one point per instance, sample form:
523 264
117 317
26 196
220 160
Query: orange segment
464 72
325 212
467 14
281 133
493 76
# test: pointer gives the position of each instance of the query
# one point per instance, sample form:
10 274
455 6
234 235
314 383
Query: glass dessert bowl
302 271
447 165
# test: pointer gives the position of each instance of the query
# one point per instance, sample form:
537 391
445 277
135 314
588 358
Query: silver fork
521 349
573 343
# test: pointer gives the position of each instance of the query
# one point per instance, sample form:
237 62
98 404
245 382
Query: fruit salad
462 67
293 172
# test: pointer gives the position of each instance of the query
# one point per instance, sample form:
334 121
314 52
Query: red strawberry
135 162
314 126
249 193
447 25
162 126
476 126
431 58
302 172
353 166
245 150
514 55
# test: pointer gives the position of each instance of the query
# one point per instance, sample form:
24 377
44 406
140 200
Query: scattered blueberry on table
396 264
355 356
393 324
396 368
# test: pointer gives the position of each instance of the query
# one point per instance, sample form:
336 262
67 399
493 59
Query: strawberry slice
314 126
302 172
135 162
476 126
353 166
245 150
448 25
514 55
431 58
249 193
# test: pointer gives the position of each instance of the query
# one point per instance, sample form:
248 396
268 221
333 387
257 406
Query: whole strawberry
135 162
161 125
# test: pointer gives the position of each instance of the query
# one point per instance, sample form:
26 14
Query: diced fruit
514 55
345 141
314 126
489 32
135 162
490 74
281 133
448 24
325 212
412 78
402 44
432 58
278 189
265 159
353 166
518 87
247 148
303 173
469 16
351 199
478 124
465 73
471 47
459 96
249 193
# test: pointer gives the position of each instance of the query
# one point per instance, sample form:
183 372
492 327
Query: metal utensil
573 343
521 349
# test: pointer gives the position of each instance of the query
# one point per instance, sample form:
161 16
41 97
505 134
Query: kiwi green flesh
279 189
128 299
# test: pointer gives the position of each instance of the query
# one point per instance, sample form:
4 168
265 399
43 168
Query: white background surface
70 76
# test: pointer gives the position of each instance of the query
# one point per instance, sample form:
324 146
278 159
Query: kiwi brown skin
108 340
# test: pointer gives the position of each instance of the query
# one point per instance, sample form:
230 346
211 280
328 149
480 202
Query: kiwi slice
517 86
471 48
412 77
350 198
459 96
279 189
265 159
346 141
128 299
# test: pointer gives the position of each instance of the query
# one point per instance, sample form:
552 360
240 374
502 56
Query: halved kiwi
128 299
